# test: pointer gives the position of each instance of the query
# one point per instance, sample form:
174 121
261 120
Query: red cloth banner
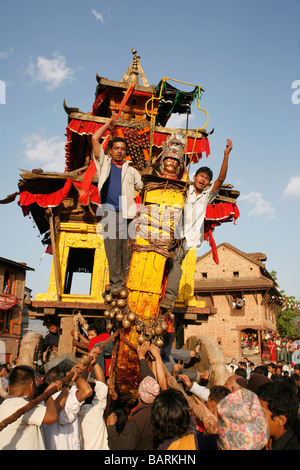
46 200
7 301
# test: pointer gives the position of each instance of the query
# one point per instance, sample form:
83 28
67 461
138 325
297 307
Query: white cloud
292 191
260 206
98 16
5 54
48 154
52 72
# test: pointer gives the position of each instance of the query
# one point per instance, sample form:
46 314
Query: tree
287 316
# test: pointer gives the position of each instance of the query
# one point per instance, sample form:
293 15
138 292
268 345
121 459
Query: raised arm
98 134
223 171
159 365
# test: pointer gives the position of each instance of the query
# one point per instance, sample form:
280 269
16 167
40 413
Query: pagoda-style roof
135 106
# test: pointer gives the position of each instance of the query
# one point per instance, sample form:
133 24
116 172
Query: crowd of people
278 348
257 408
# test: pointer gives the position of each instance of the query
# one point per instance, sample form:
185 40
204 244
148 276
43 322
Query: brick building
241 295
13 310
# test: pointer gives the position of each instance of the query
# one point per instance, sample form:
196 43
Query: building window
9 284
236 274
204 275
237 304
79 271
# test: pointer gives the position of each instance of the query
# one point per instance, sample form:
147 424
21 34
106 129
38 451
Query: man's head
53 374
235 382
170 415
242 422
280 404
92 332
271 367
216 394
3 371
202 178
117 149
53 325
21 381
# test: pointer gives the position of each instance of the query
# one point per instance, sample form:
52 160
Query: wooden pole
52 236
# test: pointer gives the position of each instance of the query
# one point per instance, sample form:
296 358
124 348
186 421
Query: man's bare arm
223 171
98 134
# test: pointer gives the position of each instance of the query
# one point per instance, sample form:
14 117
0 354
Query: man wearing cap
200 194
241 421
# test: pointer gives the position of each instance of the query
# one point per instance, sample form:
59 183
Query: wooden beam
69 305
65 344
53 243
124 123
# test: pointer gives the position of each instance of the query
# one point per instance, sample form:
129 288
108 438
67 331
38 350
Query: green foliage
287 316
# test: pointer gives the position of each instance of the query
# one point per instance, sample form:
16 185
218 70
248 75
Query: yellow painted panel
168 197
78 235
146 272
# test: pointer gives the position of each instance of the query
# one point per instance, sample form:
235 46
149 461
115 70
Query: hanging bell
120 317
126 323
131 317
108 298
141 339
123 294
121 303
159 342
158 330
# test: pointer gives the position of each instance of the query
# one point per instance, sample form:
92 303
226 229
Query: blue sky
244 54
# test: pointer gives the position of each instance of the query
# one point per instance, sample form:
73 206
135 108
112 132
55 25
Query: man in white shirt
64 434
200 194
25 432
91 415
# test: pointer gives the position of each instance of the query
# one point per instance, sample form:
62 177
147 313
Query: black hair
241 372
281 399
205 169
99 325
170 416
89 400
116 139
52 321
122 417
261 370
218 392
53 374
21 375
